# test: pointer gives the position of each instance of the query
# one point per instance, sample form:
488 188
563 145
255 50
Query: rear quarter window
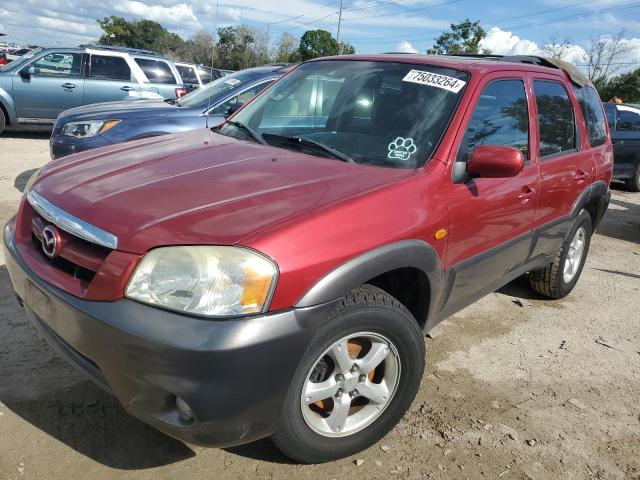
593 114
156 71
556 120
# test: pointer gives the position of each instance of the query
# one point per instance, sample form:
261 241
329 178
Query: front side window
211 93
628 119
240 99
106 67
378 113
591 107
157 71
59 65
501 117
556 121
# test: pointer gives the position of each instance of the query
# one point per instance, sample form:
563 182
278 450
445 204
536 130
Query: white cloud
405 47
502 42
174 15
65 26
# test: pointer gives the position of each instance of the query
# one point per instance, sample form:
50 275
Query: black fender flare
599 191
358 270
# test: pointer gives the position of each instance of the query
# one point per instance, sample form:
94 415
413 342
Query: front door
566 163
55 84
490 218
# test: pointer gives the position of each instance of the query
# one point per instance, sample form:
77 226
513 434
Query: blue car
93 126
37 87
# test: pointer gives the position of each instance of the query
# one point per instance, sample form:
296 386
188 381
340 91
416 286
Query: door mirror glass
492 161
27 72
233 108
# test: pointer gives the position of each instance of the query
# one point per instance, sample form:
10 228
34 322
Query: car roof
476 63
85 48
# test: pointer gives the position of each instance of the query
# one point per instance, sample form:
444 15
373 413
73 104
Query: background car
103 124
3 58
624 123
47 81
195 76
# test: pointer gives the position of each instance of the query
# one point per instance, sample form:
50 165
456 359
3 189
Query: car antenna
213 54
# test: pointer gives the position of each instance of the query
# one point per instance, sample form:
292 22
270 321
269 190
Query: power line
411 10
374 5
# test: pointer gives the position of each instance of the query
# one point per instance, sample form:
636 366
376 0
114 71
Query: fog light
184 409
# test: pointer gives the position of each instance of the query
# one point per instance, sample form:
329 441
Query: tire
3 121
302 433
552 281
633 184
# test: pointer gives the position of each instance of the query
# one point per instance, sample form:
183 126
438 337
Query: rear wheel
559 278
356 380
3 121
633 184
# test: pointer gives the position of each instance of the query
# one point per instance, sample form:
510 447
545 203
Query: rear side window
556 120
628 119
501 117
156 71
591 107
188 74
104 67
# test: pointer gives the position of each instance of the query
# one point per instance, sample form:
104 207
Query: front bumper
234 374
63 145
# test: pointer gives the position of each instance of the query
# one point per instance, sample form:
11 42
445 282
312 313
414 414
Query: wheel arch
595 200
390 268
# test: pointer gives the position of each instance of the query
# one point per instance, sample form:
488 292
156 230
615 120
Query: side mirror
233 108
27 72
491 161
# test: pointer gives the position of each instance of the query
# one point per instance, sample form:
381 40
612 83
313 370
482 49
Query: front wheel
3 121
633 184
356 380
559 278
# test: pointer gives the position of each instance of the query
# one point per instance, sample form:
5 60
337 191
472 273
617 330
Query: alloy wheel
574 256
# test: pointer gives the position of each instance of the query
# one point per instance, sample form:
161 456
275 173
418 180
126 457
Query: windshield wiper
255 135
313 144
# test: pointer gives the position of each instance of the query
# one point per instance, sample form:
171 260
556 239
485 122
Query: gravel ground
517 387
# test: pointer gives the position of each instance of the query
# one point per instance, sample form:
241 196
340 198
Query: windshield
377 113
222 86
21 61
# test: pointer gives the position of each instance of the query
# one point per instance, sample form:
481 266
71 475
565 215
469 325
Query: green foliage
463 37
320 43
235 47
145 34
625 86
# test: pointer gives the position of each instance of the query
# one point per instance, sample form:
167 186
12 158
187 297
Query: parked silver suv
36 89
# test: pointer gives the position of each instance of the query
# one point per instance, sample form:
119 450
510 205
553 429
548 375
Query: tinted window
501 117
628 119
555 118
109 68
243 98
378 113
591 107
188 74
157 71
610 110
207 75
59 65
214 90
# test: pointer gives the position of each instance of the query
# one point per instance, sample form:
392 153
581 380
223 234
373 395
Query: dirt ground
517 387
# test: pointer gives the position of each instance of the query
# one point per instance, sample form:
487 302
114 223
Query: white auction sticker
435 80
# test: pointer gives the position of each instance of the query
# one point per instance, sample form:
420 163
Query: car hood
126 109
199 188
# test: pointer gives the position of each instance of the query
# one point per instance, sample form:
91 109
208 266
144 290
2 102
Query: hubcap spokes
352 393
574 255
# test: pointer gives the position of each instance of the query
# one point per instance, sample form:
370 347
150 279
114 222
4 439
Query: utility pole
339 24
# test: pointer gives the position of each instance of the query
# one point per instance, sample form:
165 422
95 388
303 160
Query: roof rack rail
121 49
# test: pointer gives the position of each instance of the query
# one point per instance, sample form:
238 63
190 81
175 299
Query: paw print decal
402 148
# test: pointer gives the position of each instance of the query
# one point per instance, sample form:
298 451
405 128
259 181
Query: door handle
68 85
527 194
127 89
581 176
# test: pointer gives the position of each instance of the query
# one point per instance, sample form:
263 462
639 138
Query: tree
287 49
557 50
602 56
625 86
199 49
463 37
145 34
236 48
320 43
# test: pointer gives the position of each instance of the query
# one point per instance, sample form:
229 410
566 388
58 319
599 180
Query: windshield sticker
402 149
434 80
232 81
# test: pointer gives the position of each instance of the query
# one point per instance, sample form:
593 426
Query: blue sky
370 25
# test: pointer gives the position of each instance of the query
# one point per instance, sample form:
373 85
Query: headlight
204 280
88 128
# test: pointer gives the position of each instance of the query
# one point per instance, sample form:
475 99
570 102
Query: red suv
275 277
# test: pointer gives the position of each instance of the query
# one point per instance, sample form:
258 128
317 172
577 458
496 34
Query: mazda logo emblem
51 242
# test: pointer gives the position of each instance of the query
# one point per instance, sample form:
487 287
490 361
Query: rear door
161 78
490 218
627 140
55 85
564 158
109 79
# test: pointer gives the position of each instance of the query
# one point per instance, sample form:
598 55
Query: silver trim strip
71 224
